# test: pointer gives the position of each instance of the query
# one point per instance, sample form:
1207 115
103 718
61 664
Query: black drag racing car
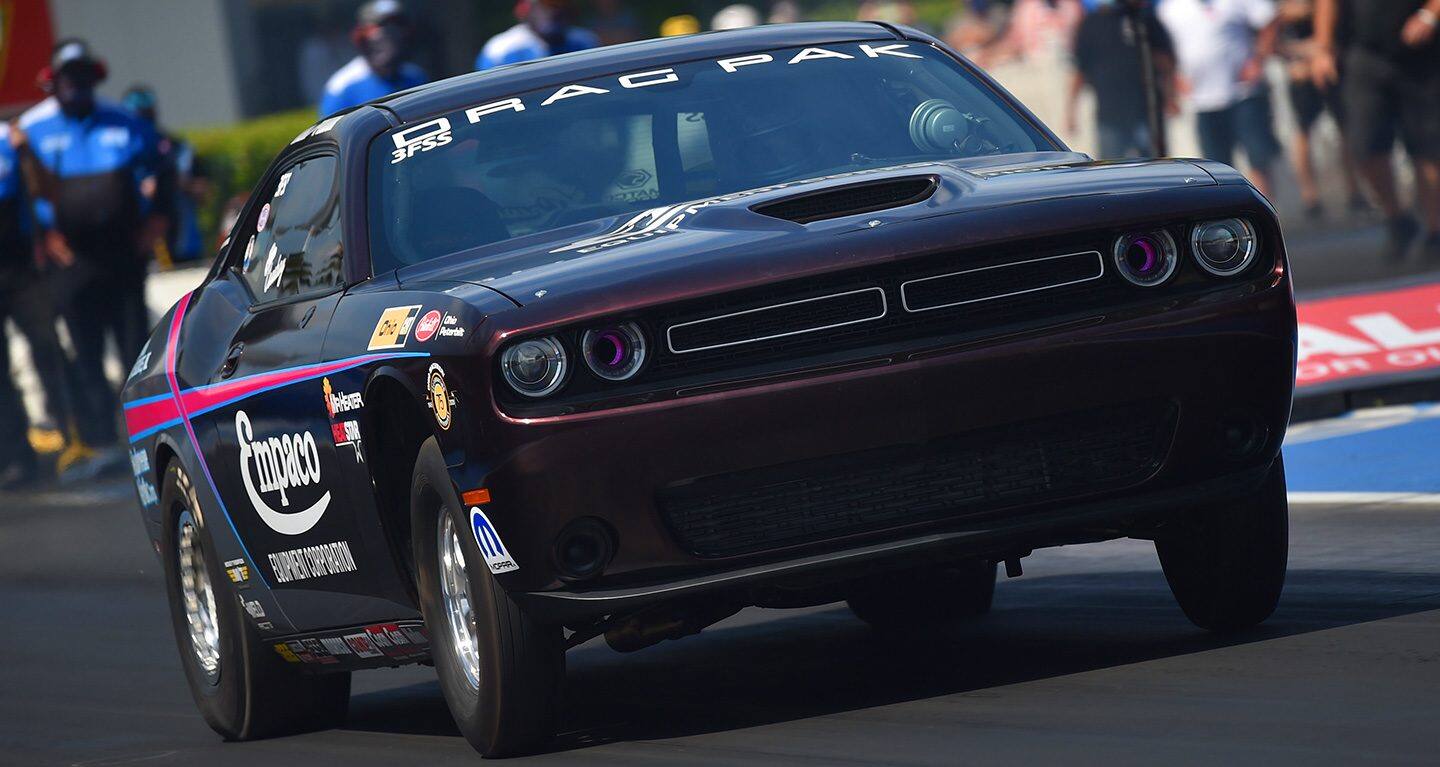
620 342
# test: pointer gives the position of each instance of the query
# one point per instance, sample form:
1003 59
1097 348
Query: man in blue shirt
93 167
382 33
544 30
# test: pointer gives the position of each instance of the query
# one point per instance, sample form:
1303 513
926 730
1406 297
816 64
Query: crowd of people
93 193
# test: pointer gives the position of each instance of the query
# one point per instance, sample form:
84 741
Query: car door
270 449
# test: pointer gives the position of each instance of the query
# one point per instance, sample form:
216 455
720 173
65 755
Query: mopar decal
274 466
496 557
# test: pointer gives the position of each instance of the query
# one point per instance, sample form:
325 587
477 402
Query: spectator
382 34
1107 60
737 16
323 51
1308 101
1392 81
25 302
93 168
1221 46
614 23
181 181
784 12
1034 29
544 30
684 24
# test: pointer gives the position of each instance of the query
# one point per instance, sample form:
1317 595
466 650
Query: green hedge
236 155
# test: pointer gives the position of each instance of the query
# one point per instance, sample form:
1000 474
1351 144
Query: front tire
500 670
242 687
920 599
1226 564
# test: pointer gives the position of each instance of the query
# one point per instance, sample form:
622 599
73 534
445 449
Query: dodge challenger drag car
618 343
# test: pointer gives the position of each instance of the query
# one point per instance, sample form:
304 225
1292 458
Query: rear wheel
500 670
1226 564
926 598
242 687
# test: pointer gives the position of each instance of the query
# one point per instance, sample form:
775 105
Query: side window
291 246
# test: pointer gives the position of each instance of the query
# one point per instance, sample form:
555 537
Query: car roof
469 89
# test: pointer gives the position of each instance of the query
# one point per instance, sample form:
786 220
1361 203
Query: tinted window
622 144
291 245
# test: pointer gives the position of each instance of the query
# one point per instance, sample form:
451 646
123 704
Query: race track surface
1085 659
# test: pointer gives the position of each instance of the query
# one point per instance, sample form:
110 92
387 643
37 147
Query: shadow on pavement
822 662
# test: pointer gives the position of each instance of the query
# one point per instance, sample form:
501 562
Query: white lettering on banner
1390 332
657 77
312 562
279 464
1314 340
730 65
473 114
570 92
810 54
876 51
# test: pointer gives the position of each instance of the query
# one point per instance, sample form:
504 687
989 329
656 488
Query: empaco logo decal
275 465
496 557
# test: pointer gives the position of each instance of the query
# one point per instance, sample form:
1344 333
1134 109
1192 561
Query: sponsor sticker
340 402
335 646
285 652
249 254
253 608
393 327
451 328
439 397
264 218
347 434
426 327
312 562
274 466
140 469
142 362
497 558
274 268
420 138
318 651
237 571
284 182
362 645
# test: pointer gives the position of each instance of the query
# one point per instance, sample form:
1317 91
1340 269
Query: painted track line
1424 500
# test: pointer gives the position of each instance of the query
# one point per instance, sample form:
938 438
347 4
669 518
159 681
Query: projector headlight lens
614 352
535 367
1146 258
1224 247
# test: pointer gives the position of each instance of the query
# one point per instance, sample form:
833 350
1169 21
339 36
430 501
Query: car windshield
630 142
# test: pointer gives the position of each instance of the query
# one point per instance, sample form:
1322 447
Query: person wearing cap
382 34
181 180
544 30
91 168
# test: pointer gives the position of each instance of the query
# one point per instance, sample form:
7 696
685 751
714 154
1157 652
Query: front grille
850 200
765 323
962 477
995 282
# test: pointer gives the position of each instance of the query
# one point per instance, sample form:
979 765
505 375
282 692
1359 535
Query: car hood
725 233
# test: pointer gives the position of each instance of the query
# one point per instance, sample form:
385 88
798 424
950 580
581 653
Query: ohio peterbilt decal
275 465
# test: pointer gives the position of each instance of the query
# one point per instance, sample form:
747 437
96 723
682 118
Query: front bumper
1215 358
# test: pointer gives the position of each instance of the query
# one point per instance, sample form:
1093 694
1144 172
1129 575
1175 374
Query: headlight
1146 258
614 352
535 367
1224 247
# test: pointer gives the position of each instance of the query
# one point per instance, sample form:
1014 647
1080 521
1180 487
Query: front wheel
1226 563
500 670
242 687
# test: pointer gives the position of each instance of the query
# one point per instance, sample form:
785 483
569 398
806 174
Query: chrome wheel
199 599
459 607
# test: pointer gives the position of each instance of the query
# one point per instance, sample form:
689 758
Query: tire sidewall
223 702
432 494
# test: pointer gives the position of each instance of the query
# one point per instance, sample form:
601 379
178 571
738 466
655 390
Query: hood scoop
850 199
